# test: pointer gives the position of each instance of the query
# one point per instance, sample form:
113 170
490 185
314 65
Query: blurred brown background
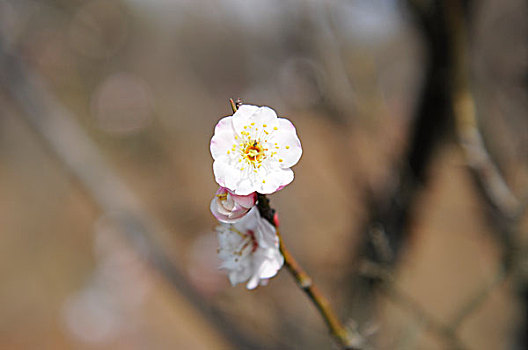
107 108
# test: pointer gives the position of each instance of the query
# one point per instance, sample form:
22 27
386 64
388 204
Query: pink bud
228 207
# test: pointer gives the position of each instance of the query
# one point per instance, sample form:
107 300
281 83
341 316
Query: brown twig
303 280
345 339
485 172
233 105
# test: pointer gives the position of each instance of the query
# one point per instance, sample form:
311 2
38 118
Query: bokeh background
106 111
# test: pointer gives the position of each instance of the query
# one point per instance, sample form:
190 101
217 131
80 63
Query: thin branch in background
488 177
507 209
444 332
430 126
389 288
340 99
81 158
478 298
390 206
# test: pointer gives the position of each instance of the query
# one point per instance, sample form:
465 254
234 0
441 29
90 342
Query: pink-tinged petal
221 190
228 202
225 174
224 210
246 201
275 180
223 138
216 210
224 124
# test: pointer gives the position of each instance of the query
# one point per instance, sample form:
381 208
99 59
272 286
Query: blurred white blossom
249 250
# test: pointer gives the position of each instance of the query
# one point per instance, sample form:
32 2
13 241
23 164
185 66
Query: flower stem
305 282
233 105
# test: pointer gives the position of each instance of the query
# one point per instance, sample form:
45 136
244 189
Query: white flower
229 207
249 250
253 151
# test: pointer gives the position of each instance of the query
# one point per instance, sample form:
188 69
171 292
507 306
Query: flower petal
248 114
223 138
225 174
267 235
246 201
289 149
253 282
271 265
275 179
244 263
243 186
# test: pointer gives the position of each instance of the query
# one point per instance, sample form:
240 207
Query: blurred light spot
98 29
256 14
203 265
122 104
90 316
370 21
107 306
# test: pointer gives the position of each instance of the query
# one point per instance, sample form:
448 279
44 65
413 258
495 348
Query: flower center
248 241
253 152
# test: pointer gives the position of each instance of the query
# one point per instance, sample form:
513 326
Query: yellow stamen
222 196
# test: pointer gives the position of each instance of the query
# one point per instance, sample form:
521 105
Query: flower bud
228 207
